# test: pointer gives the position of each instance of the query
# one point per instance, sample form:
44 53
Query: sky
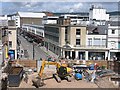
11 7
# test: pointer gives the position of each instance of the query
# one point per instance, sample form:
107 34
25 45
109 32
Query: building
50 19
113 39
12 38
27 18
76 19
35 32
3 38
97 41
69 40
58 36
98 15
3 20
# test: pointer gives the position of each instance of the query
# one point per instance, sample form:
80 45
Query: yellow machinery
62 72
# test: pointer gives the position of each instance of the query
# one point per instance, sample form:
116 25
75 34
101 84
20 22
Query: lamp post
33 51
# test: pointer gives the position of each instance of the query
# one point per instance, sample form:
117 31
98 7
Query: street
27 47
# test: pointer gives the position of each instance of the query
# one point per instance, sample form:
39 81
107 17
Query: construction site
62 74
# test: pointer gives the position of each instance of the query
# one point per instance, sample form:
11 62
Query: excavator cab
62 71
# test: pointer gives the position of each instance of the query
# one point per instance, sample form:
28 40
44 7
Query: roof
100 29
31 14
114 23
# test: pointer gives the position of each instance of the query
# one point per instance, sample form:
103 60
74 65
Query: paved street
28 47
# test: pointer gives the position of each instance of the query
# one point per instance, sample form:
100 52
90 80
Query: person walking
87 75
93 76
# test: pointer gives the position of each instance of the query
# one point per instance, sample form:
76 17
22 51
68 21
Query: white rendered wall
99 14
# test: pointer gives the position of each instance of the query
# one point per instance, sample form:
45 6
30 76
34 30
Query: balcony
90 47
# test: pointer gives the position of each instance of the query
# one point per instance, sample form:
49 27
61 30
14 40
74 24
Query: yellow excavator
62 72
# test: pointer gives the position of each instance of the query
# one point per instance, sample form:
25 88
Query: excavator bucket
38 82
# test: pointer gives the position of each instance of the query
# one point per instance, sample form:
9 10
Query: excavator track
57 78
68 78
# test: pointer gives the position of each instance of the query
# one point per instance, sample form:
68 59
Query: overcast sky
38 6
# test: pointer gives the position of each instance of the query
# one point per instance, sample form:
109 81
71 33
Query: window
10 43
89 41
96 42
118 45
113 44
113 31
66 30
103 42
77 41
9 32
66 33
77 31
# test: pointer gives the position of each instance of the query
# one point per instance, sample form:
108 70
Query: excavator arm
47 63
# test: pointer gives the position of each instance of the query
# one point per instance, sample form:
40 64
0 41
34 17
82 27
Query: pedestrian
87 75
26 77
114 58
93 76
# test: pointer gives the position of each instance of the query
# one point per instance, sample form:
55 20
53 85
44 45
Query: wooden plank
28 63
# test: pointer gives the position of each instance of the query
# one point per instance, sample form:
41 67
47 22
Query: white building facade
97 43
50 19
97 15
27 18
113 41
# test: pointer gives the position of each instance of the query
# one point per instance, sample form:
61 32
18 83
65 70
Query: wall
13 38
83 36
113 38
98 14
17 20
35 21
72 36
62 36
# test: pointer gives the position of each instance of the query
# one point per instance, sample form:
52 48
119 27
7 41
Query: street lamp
33 49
